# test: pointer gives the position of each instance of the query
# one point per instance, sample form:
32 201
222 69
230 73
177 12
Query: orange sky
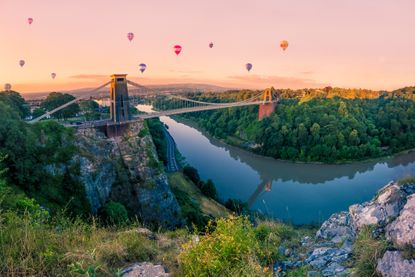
353 43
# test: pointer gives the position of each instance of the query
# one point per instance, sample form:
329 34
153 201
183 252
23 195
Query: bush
367 250
230 250
192 174
208 189
237 206
114 213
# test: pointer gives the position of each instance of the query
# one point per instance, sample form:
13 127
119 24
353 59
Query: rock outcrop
126 169
144 270
392 264
402 230
391 212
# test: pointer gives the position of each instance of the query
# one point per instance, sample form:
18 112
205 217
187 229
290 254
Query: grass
209 207
63 247
407 181
367 250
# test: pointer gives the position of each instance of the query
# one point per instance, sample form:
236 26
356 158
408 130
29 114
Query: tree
90 109
192 174
57 99
16 102
209 189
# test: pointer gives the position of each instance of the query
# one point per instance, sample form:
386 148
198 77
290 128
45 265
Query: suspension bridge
120 102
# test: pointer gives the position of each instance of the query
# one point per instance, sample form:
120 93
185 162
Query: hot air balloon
177 49
248 66
211 45
284 44
130 36
21 63
30 20
7 87
53 75
143 67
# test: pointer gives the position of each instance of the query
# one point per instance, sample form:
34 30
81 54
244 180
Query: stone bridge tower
119 108
268 106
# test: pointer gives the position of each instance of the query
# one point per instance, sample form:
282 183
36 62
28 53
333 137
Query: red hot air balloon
30 20
211 45
53 75
177 49
248 66
143 67
21 63
130 36
284 44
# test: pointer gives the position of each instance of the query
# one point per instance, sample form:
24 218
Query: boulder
382 210
392 264
402 230
336 229
144 270
329 260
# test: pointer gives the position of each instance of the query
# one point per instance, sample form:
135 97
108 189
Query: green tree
90 109
57 99
16 102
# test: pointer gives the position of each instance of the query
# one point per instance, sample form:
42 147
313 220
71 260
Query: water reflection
293 192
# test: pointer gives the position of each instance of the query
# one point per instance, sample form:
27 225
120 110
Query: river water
292 192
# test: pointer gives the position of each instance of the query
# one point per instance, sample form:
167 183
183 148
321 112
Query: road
172 165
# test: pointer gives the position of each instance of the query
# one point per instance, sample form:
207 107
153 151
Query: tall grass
65 246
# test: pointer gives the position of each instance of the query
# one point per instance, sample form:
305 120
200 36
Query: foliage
231 249
319 129
90 109
367 250
72 247
16 102
190 208
237 206
39 161
156 129
114 213
208 188
57 99
192 174
406 181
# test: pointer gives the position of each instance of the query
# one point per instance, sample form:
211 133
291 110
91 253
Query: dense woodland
330 125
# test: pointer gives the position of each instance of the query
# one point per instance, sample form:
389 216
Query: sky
343 43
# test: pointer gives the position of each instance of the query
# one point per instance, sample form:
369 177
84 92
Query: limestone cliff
126 169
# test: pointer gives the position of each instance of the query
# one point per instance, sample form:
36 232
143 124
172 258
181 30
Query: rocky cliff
126 169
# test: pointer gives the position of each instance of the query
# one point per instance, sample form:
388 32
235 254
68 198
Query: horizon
348 45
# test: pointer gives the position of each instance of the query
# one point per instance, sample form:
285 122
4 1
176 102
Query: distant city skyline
353 44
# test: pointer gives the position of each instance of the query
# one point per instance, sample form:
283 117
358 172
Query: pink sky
345 43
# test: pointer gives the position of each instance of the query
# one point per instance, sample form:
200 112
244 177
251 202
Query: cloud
262 81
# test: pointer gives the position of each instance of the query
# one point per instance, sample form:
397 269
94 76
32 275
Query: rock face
144 270
402 231
392 212
392 264
380 211
126 169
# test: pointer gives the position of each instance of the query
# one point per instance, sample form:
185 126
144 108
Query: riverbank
197 126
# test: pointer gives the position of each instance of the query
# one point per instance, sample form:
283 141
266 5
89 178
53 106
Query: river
292 192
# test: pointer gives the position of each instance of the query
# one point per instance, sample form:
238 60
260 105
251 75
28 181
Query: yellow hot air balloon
284 44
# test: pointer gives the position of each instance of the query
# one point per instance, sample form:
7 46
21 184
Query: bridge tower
268 106
119 108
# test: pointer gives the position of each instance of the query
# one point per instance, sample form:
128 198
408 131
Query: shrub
367 250
114 213
208 189
237 206
230 250
192 174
